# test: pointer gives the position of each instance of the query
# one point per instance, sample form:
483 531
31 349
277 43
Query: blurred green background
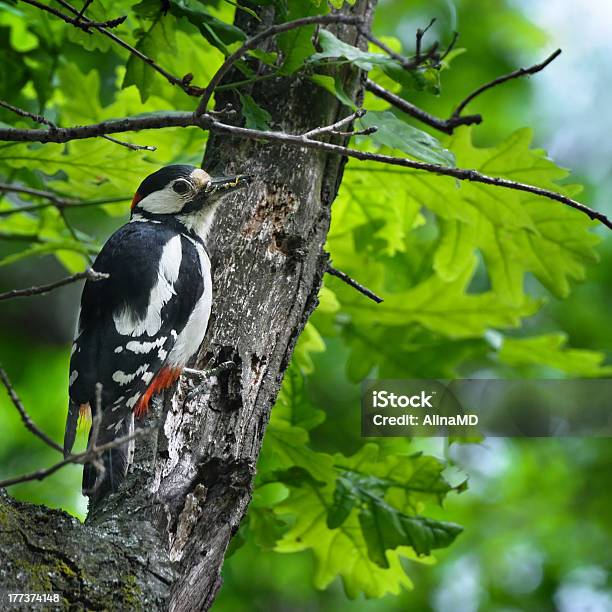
538 513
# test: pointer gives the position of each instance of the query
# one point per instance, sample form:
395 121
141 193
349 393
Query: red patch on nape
165 378
137 197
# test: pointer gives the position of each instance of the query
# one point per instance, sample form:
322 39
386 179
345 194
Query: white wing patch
145 347
123 379
132 400
126 323
73 376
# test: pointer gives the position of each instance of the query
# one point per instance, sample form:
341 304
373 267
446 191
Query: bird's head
185 192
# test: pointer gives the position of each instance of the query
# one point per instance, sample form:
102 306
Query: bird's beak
225 184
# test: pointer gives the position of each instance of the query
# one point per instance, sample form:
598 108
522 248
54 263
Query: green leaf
217 32
338 552
310 342
447 308
549 351
338 524
456 246
333 47
292 403
286 446
334 86
346 498
397 134
384 528
67 246
269 494
296 45
256 117
160 36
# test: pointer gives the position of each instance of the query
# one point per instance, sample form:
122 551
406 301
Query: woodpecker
138 328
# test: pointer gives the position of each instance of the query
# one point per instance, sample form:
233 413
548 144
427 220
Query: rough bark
160 542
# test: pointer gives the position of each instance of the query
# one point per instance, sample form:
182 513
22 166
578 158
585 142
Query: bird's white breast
191 336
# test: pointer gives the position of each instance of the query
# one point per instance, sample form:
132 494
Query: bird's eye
181 186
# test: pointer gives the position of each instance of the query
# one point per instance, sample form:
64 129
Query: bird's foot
205 376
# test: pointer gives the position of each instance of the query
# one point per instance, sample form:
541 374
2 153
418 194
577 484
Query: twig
78 22
334 126
84 457
88 274
24 113
82 11
131 146
53 197
25 417
456 119
444 125
463 174
507 77
351 282
112 126
96 420
405 62
252 42
73 232
185 86
54 200
18 237
451 45
41 120
419 37
206 122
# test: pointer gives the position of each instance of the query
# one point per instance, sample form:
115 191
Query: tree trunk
160 542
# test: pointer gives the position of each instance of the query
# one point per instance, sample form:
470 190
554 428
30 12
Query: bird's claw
205 376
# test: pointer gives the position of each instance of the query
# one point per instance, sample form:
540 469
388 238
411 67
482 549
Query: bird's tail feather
104 477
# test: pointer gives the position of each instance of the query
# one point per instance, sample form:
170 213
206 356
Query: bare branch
41 120
88 274
23 113
173 80
405 62
451 45
54 200
86 456
419 37
131 146
206 122
507 77
73 233
443 125
463 174
332 128
351 282
25 417
82 24
85 7
112 126
252 42
448 125
19 237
